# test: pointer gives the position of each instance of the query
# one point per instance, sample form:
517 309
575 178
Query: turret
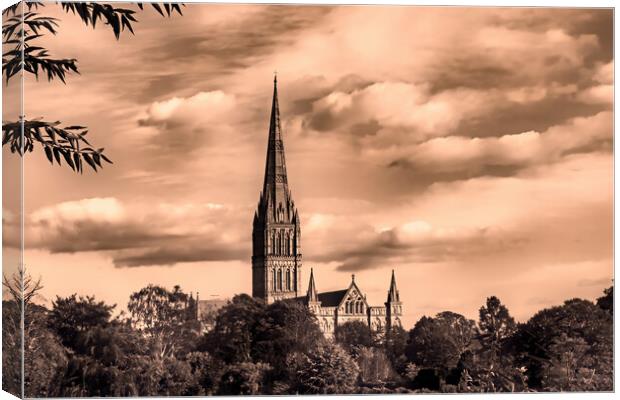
393 305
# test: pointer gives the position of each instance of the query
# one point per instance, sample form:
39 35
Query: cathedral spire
276 231
275 185
393 295
312 293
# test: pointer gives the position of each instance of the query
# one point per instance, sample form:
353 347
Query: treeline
78 348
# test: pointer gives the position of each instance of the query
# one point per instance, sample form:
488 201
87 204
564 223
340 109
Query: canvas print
252 199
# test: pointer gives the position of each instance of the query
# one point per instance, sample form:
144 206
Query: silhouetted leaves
606 302
69 142
23 25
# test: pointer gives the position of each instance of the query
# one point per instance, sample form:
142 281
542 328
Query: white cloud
107 209
402 105
458 153
599 94
207 106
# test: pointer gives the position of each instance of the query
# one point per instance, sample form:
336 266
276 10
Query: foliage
23 325
78 349
58 143
245 378
23 25
495 325
71 318
207 371
606 302
374 366
439 342
395 344
284 328
568 347
488 366
232 336
354 335
162 316
327 369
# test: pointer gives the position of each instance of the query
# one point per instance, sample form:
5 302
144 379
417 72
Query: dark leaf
48 153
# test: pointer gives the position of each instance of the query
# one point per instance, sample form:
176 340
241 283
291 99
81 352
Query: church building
277 256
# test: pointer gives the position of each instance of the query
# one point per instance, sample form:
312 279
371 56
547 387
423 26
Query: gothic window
282 244
273 243
273 285
277 247
288 244
288 279
279 279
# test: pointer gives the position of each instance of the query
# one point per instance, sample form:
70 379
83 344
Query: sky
468 149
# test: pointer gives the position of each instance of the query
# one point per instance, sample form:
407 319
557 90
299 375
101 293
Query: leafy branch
117 18
22 27
69 143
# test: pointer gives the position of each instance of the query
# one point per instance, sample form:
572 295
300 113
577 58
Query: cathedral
277 256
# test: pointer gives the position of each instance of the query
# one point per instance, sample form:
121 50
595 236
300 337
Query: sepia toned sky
469 149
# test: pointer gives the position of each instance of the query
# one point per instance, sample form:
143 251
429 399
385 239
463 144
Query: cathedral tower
276 233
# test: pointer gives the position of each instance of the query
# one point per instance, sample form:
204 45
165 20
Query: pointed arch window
288 243
282 244
273 243
279 279
274 280
288 279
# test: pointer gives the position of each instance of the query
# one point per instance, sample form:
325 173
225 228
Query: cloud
136 235
355 244
479 156
183 124
398 105
600 94
546 215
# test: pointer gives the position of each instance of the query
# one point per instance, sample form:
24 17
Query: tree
326 369
395 345
162 316
439 342
231 338
495 325
353 335
570 365
101 350
374 366
207 370
488 366
606 302
245 378
42 353
561 346
22 28
74 317
285 327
